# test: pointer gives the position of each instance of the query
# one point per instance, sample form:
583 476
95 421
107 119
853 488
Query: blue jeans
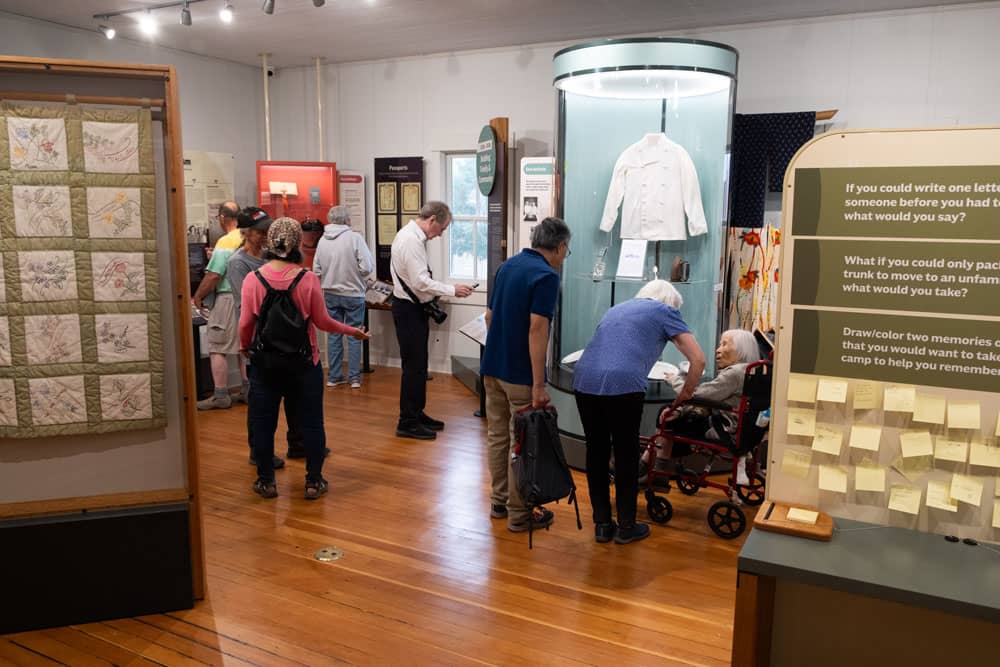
351 311
304 391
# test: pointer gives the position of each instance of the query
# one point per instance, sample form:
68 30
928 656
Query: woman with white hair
737 348
610 386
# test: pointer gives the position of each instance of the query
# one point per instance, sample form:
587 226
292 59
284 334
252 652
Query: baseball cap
253 218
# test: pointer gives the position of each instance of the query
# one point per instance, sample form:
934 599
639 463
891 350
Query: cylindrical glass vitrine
656 107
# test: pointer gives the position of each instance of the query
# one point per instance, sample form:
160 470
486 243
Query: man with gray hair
520 311
413 288
341 263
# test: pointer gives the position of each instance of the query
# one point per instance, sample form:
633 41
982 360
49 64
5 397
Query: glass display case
660 109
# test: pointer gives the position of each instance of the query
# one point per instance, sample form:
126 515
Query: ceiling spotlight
319 3
226 13
108 31
185 14
268 6
147 24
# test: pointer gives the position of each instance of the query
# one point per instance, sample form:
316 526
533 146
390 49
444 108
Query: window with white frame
466 236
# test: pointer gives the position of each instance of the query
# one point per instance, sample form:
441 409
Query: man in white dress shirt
409 266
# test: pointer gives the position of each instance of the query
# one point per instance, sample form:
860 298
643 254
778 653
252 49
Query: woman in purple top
610 384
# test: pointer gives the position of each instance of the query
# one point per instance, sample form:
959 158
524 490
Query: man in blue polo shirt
521 306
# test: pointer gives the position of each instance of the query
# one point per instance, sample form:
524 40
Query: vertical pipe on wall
319 108
267 106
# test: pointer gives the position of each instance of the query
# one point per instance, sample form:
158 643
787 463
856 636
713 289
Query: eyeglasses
568 251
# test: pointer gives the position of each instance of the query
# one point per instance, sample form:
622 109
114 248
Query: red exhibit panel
300 190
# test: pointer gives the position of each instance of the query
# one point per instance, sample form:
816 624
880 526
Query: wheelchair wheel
727 520
753 493
688 487
659 509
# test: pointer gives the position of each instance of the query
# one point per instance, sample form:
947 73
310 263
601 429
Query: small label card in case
632 259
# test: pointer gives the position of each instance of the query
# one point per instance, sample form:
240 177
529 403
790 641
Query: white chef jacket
409 257
655 183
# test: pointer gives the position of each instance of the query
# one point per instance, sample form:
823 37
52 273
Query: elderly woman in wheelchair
709 414
722 422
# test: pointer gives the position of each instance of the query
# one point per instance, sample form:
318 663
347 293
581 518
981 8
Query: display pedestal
873 595
204 385
93 566
366 366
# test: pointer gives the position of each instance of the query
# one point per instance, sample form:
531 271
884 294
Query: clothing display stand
612 94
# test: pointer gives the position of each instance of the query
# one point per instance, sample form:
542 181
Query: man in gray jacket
342 262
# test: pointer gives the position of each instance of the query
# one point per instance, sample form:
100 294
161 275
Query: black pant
293 436
412 333
612 422
304 391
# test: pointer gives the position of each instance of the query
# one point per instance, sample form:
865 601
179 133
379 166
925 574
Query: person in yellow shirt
232 239
222 321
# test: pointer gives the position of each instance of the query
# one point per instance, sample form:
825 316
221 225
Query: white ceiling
351 30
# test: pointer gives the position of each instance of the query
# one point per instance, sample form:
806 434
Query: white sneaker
355 384
335 383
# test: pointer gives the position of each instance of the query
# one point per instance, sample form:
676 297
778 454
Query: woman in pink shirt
303 387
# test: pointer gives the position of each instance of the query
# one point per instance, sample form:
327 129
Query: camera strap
406 288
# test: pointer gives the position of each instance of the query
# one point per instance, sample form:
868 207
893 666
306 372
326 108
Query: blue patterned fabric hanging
763 145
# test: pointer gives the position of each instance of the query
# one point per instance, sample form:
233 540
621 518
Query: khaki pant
503 399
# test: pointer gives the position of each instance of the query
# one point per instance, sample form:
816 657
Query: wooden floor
427 577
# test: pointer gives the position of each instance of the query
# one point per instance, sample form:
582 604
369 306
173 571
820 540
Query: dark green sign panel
931 351
486 160
901 202
959 278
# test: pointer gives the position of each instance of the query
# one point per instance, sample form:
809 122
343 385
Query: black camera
433 310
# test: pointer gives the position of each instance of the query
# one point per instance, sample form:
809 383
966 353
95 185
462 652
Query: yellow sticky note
802 516
967 489
827 439
905 499
865 395
900 399
796 464
916 443
833 478
869 478
929 409
997 434
963 414
984 454
939 496
832 390
950 449
911 468
996 513
801 421
802 388
865 436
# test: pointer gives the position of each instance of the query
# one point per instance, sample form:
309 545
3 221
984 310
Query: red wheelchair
726 517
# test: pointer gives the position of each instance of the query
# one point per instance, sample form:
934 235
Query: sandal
316 488
265 488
